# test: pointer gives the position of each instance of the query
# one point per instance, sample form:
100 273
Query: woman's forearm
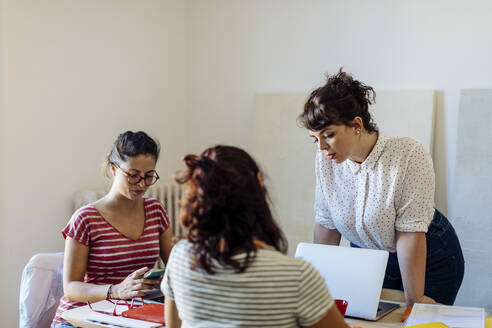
132 286
411 248
84 292
171 314
326 236
74 269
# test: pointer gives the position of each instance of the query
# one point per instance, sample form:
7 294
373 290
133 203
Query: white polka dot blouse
393 189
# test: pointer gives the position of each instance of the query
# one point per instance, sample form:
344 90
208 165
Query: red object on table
342 306
148 312
407 313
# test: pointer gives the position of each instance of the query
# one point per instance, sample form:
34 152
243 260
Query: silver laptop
352 274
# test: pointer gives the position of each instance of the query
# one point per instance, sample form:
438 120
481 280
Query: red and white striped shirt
112 256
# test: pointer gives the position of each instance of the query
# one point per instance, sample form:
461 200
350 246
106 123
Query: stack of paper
110 321
451 316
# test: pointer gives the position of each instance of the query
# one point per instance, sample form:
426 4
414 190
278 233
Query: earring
357 132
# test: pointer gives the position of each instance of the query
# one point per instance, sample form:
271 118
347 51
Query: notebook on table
352 274
449 316
149 315
148 312
105 320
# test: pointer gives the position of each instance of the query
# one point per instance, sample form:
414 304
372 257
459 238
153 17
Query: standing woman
111 243
378 192
230 270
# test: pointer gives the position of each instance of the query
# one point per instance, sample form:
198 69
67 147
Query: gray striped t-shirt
274 291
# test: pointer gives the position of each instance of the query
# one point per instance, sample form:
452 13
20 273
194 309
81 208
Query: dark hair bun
131 144
339 101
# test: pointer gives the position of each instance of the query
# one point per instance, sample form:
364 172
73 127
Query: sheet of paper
117 322
452 316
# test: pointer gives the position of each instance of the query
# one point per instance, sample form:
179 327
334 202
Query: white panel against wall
472 199
286 153
406 114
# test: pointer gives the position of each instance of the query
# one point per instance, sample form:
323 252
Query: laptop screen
352 274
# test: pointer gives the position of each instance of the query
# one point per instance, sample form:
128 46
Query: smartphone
153 274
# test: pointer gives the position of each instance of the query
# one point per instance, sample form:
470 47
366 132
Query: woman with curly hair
230 269
378 192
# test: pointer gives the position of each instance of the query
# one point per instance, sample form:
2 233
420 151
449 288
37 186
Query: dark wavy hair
339 101
131 144
224 208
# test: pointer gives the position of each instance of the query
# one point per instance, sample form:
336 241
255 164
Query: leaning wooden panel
471 208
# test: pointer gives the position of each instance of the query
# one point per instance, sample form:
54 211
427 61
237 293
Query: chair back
40 291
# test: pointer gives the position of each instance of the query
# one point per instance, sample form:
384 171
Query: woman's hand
426 300
134 285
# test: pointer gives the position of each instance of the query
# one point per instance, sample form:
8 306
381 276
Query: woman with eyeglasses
230 269
112 242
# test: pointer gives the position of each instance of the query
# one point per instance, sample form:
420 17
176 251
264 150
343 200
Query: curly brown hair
339 101
224 208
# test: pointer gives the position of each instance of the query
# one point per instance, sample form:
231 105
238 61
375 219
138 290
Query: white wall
240 48
80 73
4 283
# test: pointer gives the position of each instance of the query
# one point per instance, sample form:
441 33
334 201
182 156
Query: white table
392 320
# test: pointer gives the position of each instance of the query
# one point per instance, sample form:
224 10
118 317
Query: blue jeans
445 265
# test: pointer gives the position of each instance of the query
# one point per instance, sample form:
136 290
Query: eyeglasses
135 178
117 311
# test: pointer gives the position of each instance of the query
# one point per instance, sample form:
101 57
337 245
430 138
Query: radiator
167 194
